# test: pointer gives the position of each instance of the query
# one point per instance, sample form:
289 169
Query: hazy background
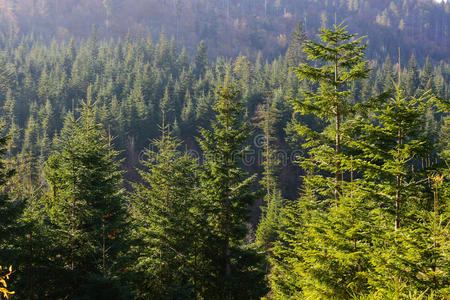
233 27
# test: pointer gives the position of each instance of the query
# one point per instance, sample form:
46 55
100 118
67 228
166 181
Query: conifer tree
388 75
343 63
394 159
10 209
294 53
426 78
188 113
328 253
201 60
226 189
412 76
85 206
267 116
6 76
36 275
169 222
167 107
204 109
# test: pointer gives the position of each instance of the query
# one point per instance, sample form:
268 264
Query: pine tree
226 189
85 206
412 78
294 53
325 244
169 222
343 64
10 209
266 117
201 60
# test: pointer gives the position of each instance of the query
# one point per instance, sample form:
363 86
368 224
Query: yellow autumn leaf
3 278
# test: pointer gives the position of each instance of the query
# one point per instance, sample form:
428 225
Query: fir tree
10 209
412 77
294 53
6 76
201 60
394 159
86 206
226 189
343 64
426 78
267 116
324 238
188 112
169 222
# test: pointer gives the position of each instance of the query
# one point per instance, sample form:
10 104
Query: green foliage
294 53
395 159
10 209
383 231
85 205
267 116
169 224
268 226
201 60
226 190
138 84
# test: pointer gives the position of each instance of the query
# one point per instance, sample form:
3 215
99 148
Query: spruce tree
226 189
267 116
169 223
294 53
341 59
325 244
10 209
85 206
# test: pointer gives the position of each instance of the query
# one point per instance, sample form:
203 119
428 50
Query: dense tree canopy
146 171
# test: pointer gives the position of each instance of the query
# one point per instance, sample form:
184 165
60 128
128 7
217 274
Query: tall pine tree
86 207
324 241
169 223
226 188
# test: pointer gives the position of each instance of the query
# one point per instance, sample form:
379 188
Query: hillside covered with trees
231 28
137 163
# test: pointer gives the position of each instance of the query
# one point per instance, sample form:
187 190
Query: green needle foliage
86 207
380 228
368 218
325 244
338 62
169 222
267 116
10 210
226 190
394 159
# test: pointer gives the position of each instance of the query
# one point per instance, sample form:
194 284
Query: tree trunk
338 133
399 182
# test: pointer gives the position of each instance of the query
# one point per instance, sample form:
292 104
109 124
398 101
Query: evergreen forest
159 164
